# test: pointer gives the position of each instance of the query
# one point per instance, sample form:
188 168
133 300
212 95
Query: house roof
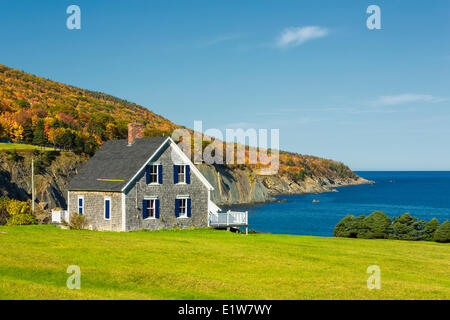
115 164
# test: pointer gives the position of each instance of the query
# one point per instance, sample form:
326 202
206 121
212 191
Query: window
151 209
181 174
80 205
107 208
183 207
154 174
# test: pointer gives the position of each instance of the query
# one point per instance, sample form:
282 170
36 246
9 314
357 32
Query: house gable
135 213
178 157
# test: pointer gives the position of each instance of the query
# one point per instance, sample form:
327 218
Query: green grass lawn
22 147
209 264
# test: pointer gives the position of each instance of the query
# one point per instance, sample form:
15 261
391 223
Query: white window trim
154 215
157 175
184 165
185 216
78 205
104 208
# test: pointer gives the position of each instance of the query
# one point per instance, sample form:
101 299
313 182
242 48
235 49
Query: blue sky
374 99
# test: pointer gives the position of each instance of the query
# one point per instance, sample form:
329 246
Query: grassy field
208 264
22 147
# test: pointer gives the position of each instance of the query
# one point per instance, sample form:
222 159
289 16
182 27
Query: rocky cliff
50 178
234 186
283 185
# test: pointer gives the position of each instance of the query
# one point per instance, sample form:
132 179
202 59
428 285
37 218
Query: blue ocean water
422 194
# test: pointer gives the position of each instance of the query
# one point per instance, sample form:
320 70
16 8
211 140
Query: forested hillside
43 112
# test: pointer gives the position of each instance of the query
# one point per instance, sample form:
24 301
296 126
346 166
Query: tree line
378 225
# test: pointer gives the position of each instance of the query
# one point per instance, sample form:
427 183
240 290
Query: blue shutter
160 181
147 171
177 208
144 209
188 208
175 174
107 209
157 208
188 173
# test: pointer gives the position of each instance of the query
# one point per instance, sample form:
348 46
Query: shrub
442 234
375 226
77 222
21 219
430 229
16 207
406 227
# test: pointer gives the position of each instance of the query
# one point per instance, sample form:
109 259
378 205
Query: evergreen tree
375 226
28 134
430 229
406 227
442 234
349 227
39 136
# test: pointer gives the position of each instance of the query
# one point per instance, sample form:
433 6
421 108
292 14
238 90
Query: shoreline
360 181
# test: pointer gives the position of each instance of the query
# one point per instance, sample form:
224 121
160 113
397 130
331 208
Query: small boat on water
316 201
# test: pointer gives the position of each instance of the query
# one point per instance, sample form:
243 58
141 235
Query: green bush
442 234
21 220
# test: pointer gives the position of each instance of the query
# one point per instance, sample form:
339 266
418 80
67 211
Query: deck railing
58 216
228 219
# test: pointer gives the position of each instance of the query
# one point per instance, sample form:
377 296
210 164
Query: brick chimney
135 130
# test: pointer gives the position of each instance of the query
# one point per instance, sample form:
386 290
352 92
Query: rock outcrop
50 181
283 185
235 186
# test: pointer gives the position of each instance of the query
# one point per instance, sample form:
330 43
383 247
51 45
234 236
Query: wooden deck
229 219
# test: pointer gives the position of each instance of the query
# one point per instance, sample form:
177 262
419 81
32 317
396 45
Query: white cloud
295 36
406 98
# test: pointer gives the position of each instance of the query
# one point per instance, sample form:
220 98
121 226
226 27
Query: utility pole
32 185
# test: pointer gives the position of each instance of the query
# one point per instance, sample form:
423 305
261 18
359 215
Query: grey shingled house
141 183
